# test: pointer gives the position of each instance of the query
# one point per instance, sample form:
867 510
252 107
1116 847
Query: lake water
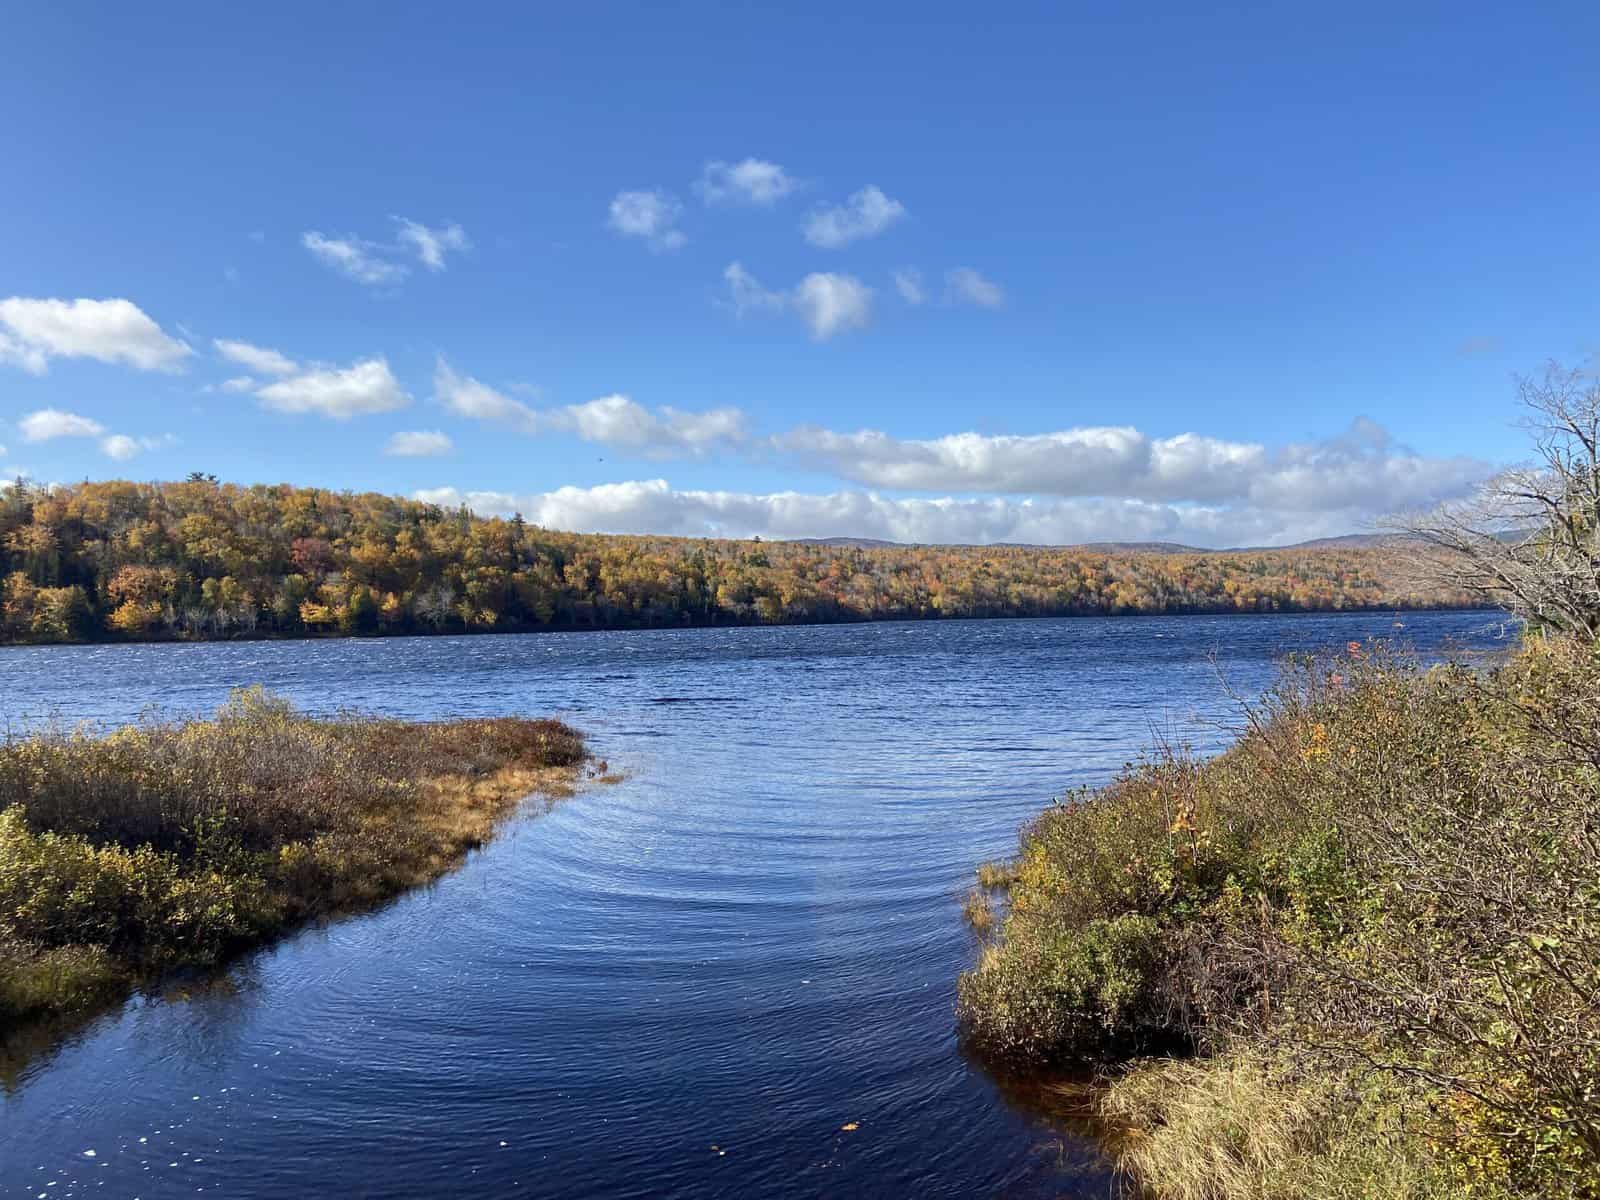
682 985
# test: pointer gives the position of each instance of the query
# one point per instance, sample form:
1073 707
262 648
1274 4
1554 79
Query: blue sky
929 272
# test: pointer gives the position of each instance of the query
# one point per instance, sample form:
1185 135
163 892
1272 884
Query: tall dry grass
168 843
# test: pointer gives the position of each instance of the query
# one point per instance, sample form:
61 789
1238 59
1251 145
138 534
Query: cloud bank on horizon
1081 485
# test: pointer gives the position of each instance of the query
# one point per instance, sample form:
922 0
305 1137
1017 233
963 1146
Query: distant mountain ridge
1346 541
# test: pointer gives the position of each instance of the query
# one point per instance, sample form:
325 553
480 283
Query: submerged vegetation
198 559
167 844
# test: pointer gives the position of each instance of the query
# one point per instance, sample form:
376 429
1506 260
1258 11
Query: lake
685 984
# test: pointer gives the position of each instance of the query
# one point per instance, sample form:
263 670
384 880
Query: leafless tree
1529 538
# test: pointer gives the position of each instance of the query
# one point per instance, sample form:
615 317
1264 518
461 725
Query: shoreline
565 630
1282 966
190 845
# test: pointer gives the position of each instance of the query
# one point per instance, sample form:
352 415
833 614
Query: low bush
177 843
1393 875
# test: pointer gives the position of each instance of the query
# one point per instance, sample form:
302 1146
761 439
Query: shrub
179 842
1394 874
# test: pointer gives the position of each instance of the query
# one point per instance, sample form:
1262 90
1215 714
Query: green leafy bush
1395 873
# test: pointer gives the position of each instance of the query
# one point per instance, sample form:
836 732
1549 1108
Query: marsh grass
1243 1125
978 910
168 844
996 873
1366 940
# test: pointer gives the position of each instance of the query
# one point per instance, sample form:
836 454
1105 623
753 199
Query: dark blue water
683 985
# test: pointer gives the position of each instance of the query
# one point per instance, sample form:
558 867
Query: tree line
199 559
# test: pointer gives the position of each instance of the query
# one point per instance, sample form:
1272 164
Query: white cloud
1359 469
866 214
367 386
259 359
33 331
829 304
122 447
618 421
421 444
50 423
354 257
908 282
753 181
466 397
239 383
612 420
432 245
963 285
746 293
651 215
655 507
832 304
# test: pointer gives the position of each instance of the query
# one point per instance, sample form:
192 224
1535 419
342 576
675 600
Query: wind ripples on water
686 984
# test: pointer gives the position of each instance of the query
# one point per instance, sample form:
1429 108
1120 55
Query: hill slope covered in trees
198 559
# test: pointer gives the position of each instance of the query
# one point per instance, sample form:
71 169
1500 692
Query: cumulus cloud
651 215
654 506
832 304
963 285
618 421
33 331
828 303
866 214
466 397
367 386
614 420
431 245
420 444
753 181
1360 468
50 423
908 282
122 447
354 258
746 293
255 358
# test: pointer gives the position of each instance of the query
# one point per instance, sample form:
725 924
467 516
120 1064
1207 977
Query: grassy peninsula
176 844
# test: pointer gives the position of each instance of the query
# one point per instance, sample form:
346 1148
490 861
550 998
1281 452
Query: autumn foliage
1356 955
100 561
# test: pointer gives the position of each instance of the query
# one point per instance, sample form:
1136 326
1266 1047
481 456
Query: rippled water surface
683 985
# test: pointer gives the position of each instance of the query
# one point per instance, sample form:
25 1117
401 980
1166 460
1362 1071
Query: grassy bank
177 844
1356 955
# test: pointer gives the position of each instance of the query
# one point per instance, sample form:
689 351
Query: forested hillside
198 559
